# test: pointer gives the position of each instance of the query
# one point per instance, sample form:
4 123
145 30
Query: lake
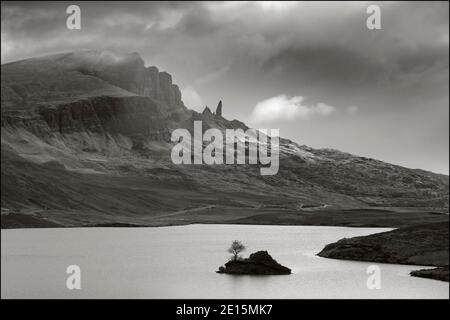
180 262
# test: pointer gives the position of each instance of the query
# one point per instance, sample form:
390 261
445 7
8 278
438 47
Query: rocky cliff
89 92
127 72
132 116
83 74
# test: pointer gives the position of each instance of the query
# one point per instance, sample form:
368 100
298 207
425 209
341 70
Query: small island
258 263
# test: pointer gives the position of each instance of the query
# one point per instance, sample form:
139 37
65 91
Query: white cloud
283 107
352 109
192 99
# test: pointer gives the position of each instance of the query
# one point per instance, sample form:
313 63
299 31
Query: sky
312 70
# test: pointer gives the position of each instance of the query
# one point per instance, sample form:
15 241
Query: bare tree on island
236 248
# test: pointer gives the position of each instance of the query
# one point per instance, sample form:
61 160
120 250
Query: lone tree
236 248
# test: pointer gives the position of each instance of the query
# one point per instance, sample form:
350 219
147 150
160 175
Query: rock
207 112
85 73
436 273
219 109
259 263
88 92
128 72
130 116
426 244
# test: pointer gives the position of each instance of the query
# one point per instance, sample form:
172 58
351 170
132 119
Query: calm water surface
180 262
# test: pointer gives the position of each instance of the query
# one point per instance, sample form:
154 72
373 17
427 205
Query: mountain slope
86 141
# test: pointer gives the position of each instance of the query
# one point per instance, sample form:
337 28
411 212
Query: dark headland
425 245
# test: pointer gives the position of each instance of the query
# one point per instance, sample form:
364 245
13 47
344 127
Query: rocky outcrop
259 263
426 244
136 117
129 116
168 92
207 112
85 73
219 109
127 72
436 273
89 92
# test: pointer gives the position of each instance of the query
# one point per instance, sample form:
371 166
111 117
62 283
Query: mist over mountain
85 141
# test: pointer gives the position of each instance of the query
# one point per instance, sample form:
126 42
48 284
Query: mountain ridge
93 117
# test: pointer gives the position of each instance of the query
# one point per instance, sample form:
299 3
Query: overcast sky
313 70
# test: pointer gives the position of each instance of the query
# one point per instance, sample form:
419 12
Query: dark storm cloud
336 48
387 58
343 67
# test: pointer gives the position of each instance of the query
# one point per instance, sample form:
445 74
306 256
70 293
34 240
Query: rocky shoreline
436 273
426 245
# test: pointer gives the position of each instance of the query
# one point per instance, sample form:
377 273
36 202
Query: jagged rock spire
207 111
219 109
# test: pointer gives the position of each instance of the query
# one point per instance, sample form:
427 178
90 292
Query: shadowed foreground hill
85 141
